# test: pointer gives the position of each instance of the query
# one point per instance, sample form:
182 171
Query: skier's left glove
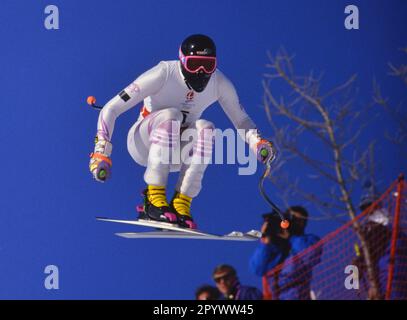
100 163
266 152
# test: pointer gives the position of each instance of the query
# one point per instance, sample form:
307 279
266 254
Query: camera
273 224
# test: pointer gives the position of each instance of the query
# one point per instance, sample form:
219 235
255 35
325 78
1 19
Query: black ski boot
162 212
180 205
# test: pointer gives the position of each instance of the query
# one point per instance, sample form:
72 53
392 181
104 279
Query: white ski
233 236
171 231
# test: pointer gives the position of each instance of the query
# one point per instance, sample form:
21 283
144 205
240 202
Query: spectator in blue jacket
292 280
228 284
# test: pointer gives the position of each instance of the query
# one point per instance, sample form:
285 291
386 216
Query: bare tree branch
341 87
328 130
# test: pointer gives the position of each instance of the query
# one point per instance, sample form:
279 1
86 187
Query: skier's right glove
100 163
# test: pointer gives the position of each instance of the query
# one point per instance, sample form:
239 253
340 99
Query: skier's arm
145 85
229 101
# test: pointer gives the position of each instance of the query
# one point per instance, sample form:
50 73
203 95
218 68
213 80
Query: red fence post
394 236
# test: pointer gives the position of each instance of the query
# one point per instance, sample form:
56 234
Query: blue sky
49 200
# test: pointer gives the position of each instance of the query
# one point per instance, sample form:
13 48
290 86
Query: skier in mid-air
175 95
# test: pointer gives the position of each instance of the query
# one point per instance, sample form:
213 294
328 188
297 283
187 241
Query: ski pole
91 100
284 222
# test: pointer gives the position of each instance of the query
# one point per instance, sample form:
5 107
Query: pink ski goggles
195 63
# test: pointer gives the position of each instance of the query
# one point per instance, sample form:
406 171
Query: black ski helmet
197 45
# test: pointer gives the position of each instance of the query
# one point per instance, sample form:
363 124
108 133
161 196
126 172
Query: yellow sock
156 195
182 204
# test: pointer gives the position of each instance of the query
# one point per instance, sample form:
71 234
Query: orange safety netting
322 271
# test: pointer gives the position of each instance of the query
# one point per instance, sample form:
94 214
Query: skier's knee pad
166 125
203 124
168 121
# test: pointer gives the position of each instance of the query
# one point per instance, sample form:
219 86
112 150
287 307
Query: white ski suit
170 107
